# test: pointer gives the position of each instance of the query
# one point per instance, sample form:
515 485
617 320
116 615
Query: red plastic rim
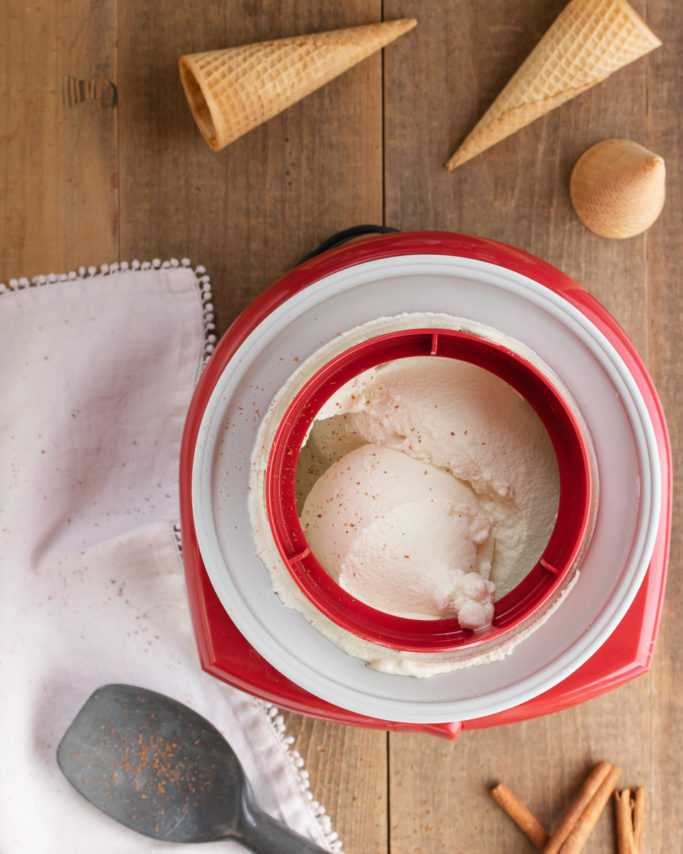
538 585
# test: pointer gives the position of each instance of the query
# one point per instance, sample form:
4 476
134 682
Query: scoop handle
263 835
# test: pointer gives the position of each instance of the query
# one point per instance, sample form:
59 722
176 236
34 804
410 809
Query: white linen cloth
98 370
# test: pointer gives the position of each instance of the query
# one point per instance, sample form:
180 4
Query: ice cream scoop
450 424
403 536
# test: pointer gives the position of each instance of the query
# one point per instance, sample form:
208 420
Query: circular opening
418 635
197 102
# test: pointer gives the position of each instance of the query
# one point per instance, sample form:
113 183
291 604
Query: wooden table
101 161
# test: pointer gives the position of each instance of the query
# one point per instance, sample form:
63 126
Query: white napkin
98 370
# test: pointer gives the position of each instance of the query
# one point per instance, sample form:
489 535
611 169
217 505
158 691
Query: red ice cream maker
628 649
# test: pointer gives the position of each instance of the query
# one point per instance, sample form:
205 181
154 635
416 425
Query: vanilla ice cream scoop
465 421
403 536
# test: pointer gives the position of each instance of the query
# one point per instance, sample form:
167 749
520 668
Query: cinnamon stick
518 812
578 805
638 818
626 843
630 810
588 818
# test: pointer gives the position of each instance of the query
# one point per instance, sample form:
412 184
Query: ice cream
437 459
403 536
422 483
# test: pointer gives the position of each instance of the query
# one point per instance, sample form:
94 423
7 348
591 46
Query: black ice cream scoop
161 769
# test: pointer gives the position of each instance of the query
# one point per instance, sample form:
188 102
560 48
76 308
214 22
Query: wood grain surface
100 160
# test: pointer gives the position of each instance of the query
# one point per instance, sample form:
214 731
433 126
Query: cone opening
197 101
539 584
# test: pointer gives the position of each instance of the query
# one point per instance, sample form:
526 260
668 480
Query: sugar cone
587 42
232 91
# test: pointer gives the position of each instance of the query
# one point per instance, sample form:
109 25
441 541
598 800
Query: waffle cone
588 41
232 91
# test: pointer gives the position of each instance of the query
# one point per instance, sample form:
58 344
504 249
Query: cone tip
408 23
457 159
401 25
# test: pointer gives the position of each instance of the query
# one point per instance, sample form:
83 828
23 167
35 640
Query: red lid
538 585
